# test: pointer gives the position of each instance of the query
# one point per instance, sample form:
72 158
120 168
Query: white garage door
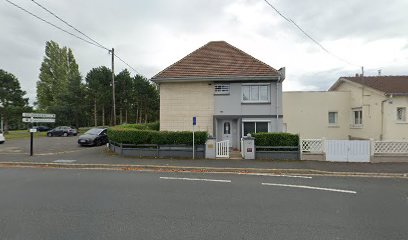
347 150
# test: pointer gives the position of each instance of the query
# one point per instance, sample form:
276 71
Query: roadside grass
22 134
25 134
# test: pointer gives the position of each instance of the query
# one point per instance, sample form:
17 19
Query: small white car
2 139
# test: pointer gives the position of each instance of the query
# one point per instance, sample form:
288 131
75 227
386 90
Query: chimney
379 72
282 72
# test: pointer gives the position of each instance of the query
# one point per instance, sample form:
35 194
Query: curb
165 168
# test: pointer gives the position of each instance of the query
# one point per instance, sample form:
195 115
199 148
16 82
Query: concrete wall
306 114
394 129
179 102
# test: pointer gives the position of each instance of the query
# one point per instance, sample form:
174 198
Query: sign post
36 118
194 123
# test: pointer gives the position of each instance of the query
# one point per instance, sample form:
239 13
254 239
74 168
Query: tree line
79 101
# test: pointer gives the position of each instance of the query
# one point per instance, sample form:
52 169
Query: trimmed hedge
145 126
129 135
276 139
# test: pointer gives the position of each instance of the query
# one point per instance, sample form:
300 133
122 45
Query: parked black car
62 131
42 128
94 137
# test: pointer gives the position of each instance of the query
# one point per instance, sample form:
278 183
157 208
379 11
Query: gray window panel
249 127
245 93
261 127
263 93
332 117
254 93
227 128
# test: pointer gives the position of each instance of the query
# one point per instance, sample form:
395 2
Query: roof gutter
219 79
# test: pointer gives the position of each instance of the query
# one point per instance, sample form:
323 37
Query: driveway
42 146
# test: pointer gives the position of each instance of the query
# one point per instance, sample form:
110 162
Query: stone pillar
210 148
248 147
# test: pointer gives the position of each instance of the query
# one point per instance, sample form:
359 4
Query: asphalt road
95 204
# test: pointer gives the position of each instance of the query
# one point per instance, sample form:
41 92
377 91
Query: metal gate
347 150
222 149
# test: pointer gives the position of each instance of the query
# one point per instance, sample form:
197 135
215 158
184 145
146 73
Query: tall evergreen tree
60 89
12 101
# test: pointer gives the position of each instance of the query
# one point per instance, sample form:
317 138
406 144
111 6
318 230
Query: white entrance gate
222 149
347 150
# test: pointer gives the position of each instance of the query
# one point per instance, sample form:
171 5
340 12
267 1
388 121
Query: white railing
222 149
312 145
242 147
396 147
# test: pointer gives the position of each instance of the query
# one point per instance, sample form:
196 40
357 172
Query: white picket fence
391 147
312 145
222 149
353 150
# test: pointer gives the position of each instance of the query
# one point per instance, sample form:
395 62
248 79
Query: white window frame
336 118
222 89
403 118
357 122
250 85
254 121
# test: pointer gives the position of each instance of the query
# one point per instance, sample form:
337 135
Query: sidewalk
94 157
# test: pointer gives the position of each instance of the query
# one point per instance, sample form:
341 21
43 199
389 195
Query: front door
226 131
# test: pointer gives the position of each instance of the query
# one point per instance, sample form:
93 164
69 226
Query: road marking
310 187
275 175
196 179
64 161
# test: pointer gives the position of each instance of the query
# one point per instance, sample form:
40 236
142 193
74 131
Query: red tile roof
217 59
386 84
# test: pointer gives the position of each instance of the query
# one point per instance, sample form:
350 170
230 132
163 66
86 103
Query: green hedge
276 139
128 135
145 126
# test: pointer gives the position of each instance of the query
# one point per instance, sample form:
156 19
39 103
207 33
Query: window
401 114
357 117
222 89
227 128
255 93
254 127
333 118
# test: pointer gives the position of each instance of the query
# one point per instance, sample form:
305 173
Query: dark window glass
261 127
227 128
249 127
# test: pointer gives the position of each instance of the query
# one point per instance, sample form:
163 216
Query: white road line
196 179
310 187
275 175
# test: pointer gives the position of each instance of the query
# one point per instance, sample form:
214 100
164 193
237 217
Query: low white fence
345 150
222 149
391 147
312 145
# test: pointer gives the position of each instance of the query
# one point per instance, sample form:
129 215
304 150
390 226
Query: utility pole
113 86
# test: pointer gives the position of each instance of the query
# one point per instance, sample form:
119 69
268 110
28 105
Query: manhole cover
64 161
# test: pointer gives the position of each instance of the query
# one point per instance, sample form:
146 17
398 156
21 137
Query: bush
131 135
145 126
276 139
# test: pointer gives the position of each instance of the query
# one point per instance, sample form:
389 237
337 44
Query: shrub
145 126
131 135
276 139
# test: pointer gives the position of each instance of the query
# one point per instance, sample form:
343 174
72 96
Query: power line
32 14
41 6
126 63
308 35
95 43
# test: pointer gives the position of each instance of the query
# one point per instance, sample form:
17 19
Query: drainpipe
382 116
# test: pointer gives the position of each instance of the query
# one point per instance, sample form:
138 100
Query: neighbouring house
360 107
230 92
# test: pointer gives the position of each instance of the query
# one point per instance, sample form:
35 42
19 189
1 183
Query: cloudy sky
151 35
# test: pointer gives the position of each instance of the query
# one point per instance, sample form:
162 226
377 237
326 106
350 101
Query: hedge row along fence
276 139
145 135
147 126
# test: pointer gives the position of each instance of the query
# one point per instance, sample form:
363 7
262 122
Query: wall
306 114
179 102
394 129
370 102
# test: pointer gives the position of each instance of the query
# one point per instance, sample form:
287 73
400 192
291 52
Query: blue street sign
194 121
